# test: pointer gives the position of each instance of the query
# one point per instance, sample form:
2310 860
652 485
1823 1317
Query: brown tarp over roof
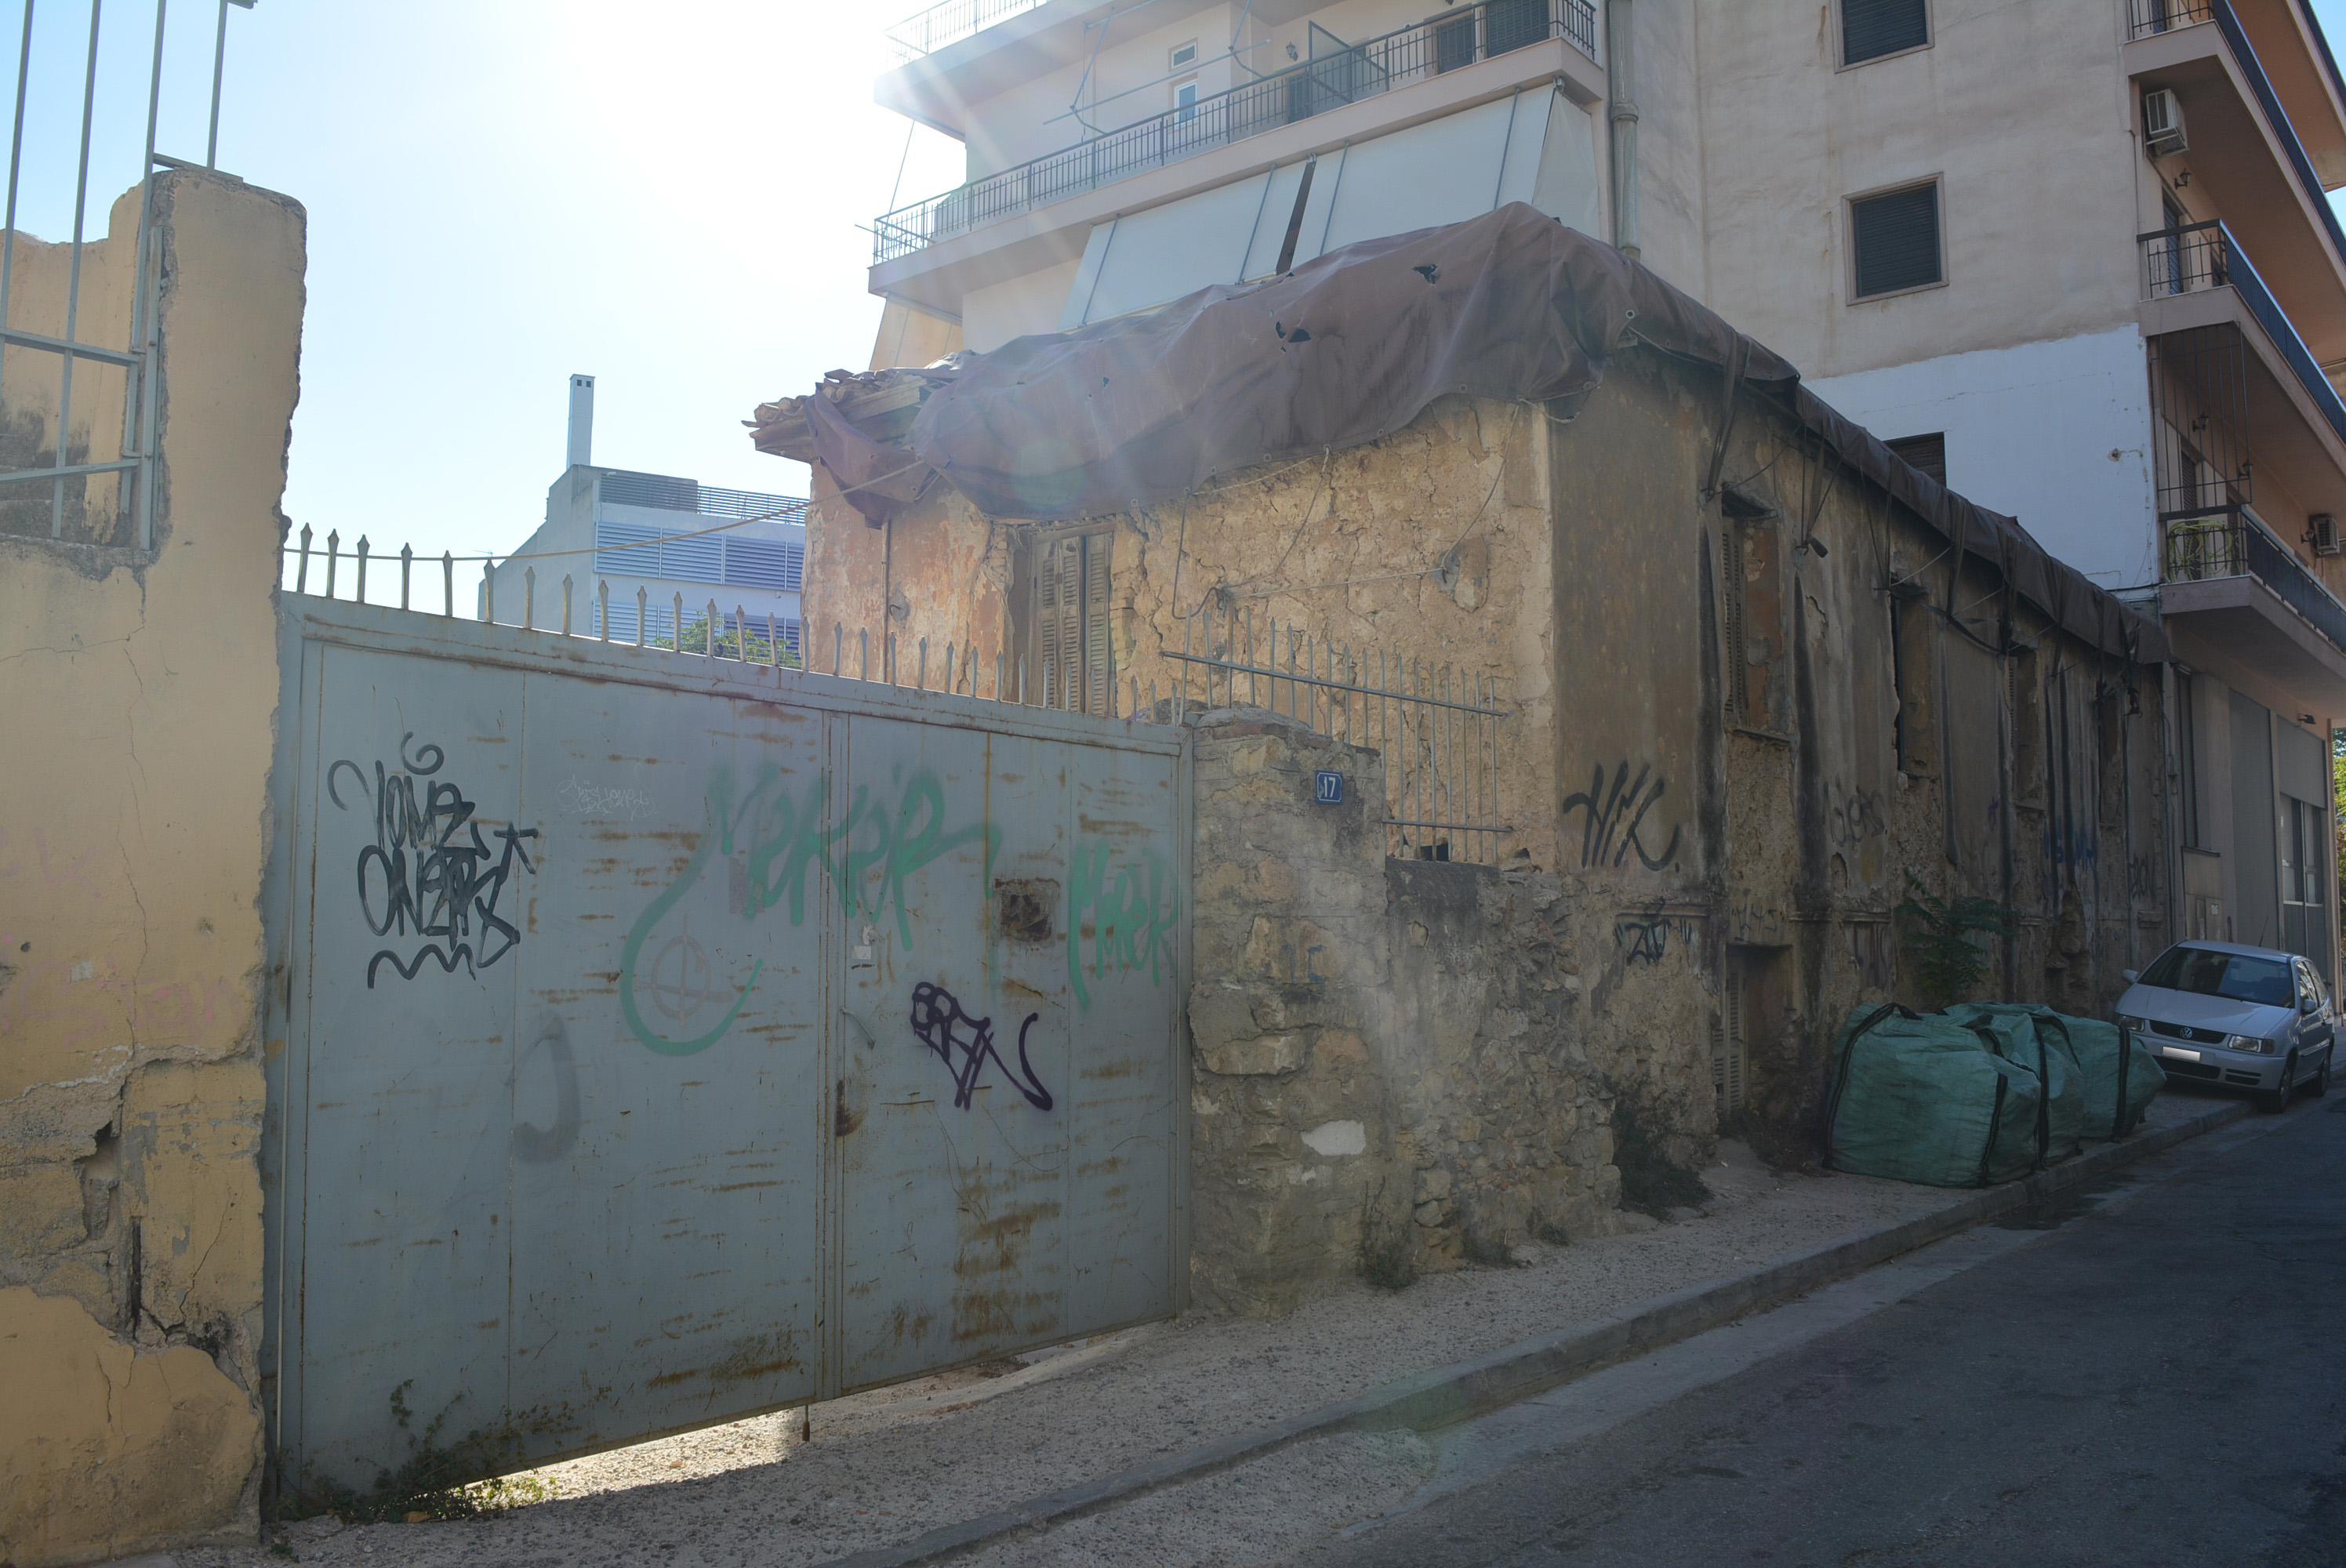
1352 347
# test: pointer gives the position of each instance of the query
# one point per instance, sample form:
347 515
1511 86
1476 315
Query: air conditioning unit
2162 124
2322 533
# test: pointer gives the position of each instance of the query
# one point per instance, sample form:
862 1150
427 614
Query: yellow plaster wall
140 700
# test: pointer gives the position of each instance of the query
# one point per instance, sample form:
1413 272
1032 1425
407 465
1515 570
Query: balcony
2231 587
2246 154
2205 256
926 32
1336 75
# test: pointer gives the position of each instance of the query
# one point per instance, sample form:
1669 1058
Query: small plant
748 644
1385 1247
1553 1234
435 1483
1651 1181
1948 962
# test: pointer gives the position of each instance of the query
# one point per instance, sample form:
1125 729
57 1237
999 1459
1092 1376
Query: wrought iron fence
135 357
1331 78
1437 726
2208 256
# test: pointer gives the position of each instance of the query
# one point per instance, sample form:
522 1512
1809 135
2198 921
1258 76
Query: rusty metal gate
657 1040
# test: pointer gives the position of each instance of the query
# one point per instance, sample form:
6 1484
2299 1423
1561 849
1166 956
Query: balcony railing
2146 17
2235 544
926 32
2205 256
1329 80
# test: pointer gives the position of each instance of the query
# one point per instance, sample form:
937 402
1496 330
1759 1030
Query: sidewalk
887 1468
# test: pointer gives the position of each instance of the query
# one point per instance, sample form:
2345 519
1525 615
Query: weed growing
438 1480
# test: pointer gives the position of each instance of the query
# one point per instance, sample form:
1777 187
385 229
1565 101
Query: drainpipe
1621 86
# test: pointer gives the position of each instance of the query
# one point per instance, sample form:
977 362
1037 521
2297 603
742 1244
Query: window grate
1897 240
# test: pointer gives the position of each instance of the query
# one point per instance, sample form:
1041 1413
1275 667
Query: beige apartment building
2075 259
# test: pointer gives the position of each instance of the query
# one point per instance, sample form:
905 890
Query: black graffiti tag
429 881
940 1024
1614 815
1646 941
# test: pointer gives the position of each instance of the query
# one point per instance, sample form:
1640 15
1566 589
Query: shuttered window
1897 240
1872 28
1926 453
1071 658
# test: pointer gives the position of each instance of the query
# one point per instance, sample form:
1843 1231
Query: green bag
2121 1076
1928 1100
2038 1039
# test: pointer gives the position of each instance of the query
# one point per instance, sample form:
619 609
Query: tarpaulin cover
1925 1100
2035 1037
1352 347
2117 1078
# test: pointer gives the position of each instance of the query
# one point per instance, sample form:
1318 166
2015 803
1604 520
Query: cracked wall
139 700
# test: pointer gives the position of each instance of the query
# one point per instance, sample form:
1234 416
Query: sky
501 192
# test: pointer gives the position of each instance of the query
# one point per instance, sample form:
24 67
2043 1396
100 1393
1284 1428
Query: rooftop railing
1329 80
2201 256
926 32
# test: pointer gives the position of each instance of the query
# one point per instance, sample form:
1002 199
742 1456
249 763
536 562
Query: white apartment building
658 549
2075 257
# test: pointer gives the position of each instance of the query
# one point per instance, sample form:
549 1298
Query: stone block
1264 1056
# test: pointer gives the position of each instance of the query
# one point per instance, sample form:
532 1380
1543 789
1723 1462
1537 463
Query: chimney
582 421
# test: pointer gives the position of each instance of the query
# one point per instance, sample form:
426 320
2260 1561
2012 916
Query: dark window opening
2186 761
1896 238
1924 453
1872 28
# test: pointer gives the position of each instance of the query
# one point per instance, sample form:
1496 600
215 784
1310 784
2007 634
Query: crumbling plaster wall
140 700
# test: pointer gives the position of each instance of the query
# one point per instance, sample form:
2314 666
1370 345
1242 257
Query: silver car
2246 1017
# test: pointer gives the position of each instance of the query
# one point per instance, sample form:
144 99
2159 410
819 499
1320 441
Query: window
1924 453
1181 56
2027 699
1912 670
1185 99
1063 638
1453 42
1751 599
2187 760
1870 29
1896 241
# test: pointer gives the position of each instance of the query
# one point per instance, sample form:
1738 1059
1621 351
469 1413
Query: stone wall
140 705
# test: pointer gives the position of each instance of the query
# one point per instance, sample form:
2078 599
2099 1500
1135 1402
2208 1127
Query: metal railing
136 357
2145 17
2236 544
2205 256
926 32
1436 727
1329 80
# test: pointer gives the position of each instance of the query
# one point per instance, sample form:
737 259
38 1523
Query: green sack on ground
1926 1100
2038 1039
2121 1077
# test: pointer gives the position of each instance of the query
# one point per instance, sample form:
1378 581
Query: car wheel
2320 1085
2274 1101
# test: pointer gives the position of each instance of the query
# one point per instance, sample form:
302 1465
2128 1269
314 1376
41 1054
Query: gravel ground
885 1466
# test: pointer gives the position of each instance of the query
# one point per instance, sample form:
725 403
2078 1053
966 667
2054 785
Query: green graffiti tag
1133 920
866 857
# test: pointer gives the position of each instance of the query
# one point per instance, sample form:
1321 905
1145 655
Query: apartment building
2076 260
646 554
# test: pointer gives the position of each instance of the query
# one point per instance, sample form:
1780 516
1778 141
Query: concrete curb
1500 1377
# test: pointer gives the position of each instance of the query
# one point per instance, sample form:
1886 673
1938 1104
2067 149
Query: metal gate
657 1040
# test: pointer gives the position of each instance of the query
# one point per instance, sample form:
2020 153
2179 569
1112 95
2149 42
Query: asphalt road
2161 1379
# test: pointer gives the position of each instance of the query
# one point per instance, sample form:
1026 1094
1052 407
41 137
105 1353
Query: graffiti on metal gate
1133 919
965 1045
429 873
785 839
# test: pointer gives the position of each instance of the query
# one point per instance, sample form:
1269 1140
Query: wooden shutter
1073 659
1872 28
1728 1053
1736 649
1897 239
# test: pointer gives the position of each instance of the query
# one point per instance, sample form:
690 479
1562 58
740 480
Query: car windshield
2235 976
